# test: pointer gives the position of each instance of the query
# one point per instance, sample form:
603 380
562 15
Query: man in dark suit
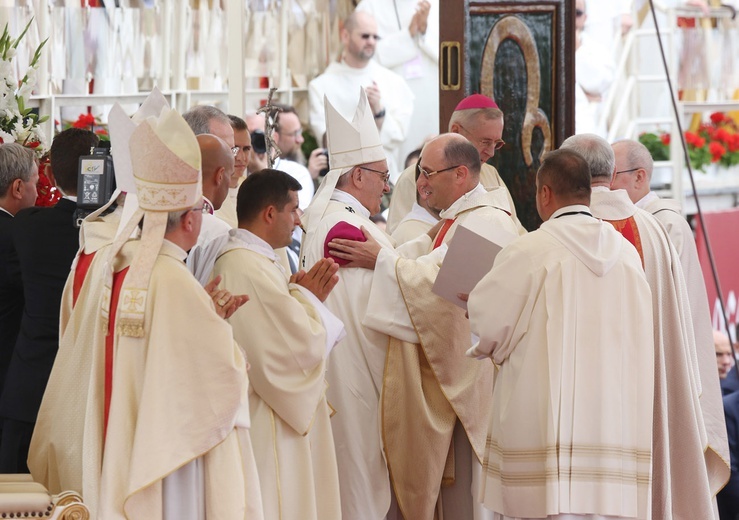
46 240
18 178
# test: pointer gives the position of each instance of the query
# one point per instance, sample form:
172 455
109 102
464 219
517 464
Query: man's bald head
217 167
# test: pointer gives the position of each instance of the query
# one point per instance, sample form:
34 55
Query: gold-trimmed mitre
166 161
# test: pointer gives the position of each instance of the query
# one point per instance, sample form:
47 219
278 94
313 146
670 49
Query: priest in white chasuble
435 405
634 172
570 435
681 487
166 417
287 334
349 194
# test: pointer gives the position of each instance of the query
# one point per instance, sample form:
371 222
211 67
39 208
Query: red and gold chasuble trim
80 272
628 228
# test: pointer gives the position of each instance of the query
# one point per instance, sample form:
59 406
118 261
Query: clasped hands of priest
320 279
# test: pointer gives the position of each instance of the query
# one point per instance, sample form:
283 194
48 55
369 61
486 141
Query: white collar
456 206
6 211
596 189
254 243
346 198
646 200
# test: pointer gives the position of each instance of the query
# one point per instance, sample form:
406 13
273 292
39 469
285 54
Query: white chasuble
566 315
680 482
178 394
286 343
717 449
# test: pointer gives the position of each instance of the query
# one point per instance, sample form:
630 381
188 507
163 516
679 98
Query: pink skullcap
476 101
346 231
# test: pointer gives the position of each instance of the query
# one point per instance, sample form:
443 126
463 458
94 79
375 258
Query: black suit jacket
46 241
730 383
11 294
728 497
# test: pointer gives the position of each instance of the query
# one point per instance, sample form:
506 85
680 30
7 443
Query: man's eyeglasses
235 150
385 176
426 174
629 171
579 12
486 143
367 36
203 208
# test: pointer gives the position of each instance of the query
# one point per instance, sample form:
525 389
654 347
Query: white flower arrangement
18 123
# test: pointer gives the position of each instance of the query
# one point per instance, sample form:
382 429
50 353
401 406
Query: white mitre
349 145
121 127
166 163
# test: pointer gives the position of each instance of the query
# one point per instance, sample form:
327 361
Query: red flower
718 118
665 138
84 121
734 143
691 138
716 150
33 144
722 135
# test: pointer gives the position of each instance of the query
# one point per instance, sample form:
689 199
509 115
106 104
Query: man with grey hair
684 478
207 119
633 173
18 178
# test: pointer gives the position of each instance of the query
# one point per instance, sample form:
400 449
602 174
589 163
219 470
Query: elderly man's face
376 178
624 177
485 134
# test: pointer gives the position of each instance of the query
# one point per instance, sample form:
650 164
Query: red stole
628 228
80 272
443 231
109 340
